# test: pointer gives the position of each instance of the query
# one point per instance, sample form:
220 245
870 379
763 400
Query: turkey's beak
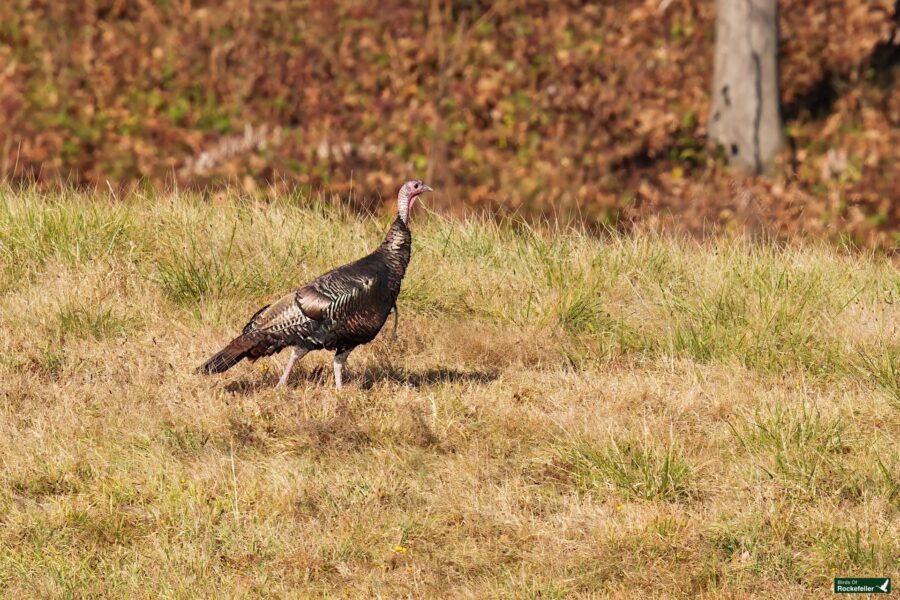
426 188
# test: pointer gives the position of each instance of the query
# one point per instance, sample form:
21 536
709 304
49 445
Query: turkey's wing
279 316
312 302
338 294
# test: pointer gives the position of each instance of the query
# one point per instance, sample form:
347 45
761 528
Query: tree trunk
745 116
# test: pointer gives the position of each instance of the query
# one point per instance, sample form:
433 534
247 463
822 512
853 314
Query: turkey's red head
408 195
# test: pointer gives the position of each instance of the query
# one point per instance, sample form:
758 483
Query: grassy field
559 416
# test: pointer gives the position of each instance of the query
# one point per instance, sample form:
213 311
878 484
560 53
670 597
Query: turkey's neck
396 250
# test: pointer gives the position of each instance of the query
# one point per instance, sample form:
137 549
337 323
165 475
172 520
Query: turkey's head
408 195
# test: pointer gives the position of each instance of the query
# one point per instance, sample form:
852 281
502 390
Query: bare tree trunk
745 116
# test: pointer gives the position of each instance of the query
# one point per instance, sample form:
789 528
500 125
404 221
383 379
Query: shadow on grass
419 379
244 387
366 379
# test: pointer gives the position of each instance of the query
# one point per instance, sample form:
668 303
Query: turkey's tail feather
239 349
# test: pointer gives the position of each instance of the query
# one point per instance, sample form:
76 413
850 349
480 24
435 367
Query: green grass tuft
795 444
87 322
636 467
37 230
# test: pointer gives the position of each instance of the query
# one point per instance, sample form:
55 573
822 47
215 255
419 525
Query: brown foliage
569 108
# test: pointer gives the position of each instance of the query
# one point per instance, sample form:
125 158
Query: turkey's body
338 311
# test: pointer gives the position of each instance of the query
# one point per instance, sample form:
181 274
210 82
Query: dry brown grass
559 417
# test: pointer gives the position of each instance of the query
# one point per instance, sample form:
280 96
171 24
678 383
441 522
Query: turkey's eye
416 186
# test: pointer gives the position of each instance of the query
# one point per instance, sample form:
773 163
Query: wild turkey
339 311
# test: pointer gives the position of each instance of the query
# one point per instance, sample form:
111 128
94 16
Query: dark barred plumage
340 310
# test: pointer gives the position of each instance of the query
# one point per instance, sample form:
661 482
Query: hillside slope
560 416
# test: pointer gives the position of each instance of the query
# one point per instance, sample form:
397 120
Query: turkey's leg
340 358
296 353
395 320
